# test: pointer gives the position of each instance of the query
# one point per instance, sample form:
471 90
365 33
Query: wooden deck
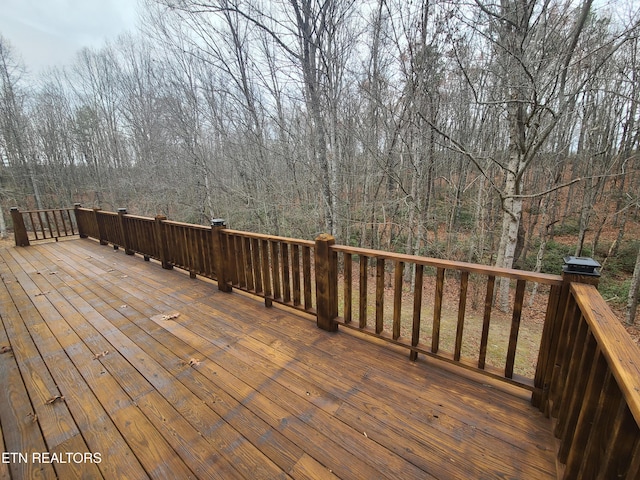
161 376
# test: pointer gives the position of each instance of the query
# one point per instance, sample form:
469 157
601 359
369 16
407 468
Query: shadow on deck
121 369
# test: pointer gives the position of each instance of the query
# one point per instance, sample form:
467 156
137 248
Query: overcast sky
50 32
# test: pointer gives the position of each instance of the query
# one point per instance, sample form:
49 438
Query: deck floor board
271 397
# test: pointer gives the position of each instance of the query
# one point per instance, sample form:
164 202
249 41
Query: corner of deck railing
574 270
82 229
326 269
220 254
19 228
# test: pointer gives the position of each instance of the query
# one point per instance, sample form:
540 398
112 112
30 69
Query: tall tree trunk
632 304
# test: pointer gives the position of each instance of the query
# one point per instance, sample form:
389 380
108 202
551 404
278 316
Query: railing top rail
454 265
184 224
615 343
274 238
43 210
140 217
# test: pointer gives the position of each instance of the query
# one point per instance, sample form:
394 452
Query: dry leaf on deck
54 399
123 306
101 354
170 317
41 293
5 349
194 362
34 417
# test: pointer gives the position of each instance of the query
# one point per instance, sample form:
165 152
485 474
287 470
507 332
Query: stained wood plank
19 432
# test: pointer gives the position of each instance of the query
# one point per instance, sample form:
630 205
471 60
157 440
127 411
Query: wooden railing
33 225
408 326
594 390
587 375
278 269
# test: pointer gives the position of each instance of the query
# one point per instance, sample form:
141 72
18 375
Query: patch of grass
614 290
570 226
625 259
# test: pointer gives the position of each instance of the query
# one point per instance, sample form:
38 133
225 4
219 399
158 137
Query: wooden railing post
19 228
553 341
80 223
162 242
125 231
326 266
220 254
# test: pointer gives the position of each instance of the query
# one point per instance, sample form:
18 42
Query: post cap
122 210
14 209
218 222
581 266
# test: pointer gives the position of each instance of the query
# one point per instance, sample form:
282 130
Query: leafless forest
483 131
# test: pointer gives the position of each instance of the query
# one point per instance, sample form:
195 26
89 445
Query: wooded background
470 130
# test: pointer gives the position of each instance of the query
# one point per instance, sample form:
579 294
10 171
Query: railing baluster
275 262
620 443
348 287
55 222
462 304
599 376
363 292
306 274
379 295
605 413
242 264
633 473
257 265
486 319
46 217
515 328
248 263
417 310
397 299
34 228
286 280
573 394
232 259
565 350
437 311
295 271
266 273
